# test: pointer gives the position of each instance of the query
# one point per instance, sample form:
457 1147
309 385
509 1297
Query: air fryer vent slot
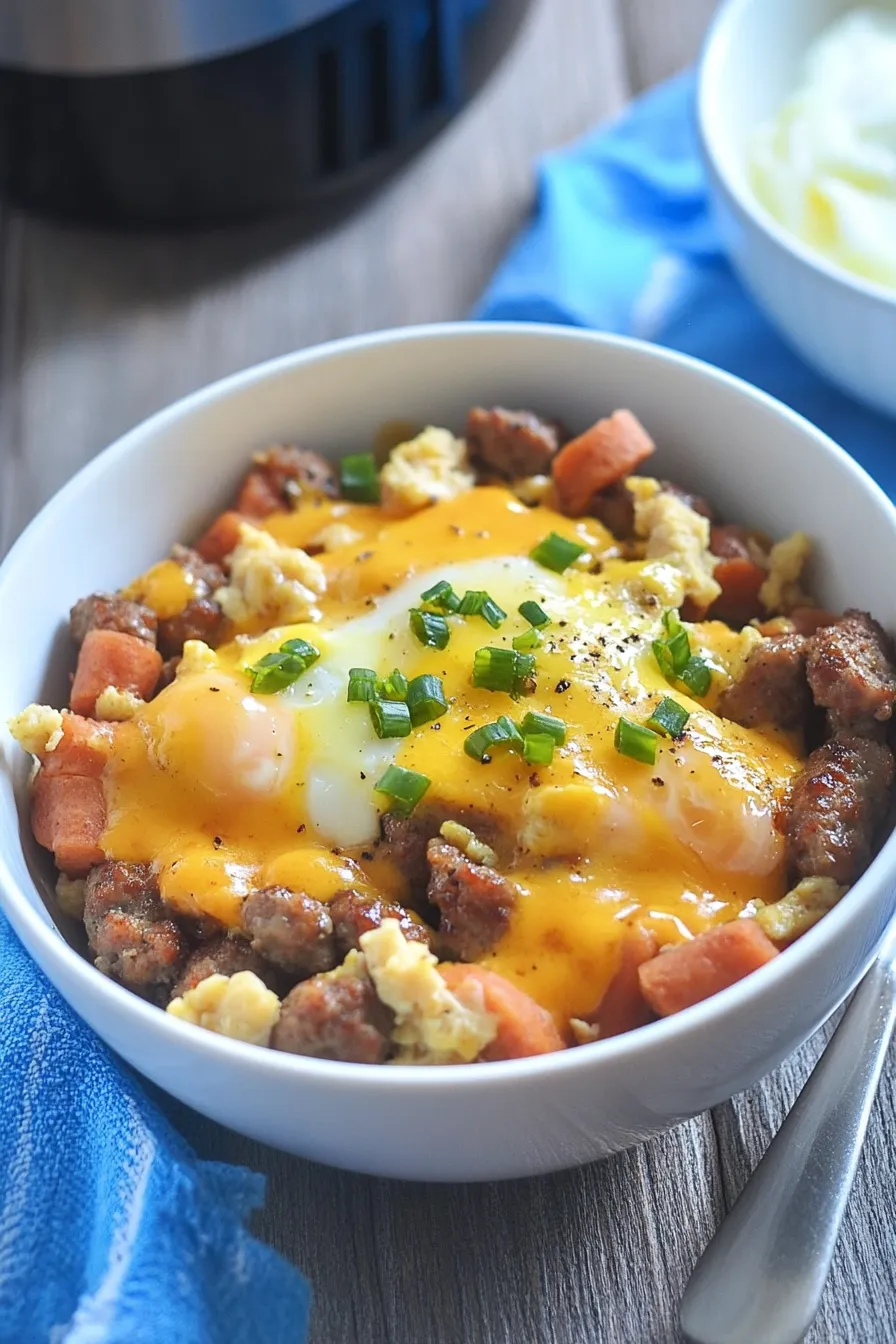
386 71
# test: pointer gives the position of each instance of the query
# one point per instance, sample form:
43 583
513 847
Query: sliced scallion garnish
696 676
636 741
502 734
538 724
361 684
426 699
526 642
504 670
538 748
556 552
441 595
430 628
477 602
359 479
275 671
534 614
393 687
405 788
669 718
390 718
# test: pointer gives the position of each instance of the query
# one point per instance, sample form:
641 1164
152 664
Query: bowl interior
751 64
758 461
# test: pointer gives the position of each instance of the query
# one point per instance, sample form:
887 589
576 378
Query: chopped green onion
663 659
390 718
359 479
696 676
275 671
556 552
533 613
442 595
539 724
426 699
430 628
393 687
502 733
538 748
477 602
633 740
504 670
669 718
673 653
361 684
404 787
528 641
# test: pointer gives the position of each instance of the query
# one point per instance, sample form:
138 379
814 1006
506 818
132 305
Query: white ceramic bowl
842 324
758 460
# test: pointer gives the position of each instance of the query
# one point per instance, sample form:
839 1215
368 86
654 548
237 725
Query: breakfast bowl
842 323
753 457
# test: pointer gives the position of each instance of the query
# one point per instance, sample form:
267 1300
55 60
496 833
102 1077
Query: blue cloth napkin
622 240
111 1230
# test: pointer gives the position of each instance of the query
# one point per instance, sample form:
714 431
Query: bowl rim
713 54
729 1003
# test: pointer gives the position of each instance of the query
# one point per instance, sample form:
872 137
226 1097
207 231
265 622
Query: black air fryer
198 111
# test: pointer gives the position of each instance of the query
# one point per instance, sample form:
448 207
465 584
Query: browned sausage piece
773 688
615 508
695 502
202 617
290 929
407 837
851 673
128 927
512 443
105 611
280 475
354 913
334 1017
225 955
474 901
837 802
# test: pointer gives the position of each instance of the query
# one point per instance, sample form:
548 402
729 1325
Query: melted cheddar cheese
224 790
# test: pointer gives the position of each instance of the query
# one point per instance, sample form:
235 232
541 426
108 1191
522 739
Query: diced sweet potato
222 538
740 580
84 749
68 816
694 971
607 452
524 1027
623 1006
108 658
806 620
257 497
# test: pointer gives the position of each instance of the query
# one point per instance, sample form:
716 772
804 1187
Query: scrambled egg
267 580
679 536
37 729
468 843
240 1006
799 909
70 895
781 591
432 1025
431 467
117 706
335 535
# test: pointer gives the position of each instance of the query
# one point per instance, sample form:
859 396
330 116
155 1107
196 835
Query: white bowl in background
842 324
759 461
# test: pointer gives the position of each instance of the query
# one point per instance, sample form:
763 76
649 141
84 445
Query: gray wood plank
662 36
594 1256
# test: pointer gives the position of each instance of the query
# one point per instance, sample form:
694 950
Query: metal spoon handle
762 1275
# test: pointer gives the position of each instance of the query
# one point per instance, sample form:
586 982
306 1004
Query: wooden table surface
98 331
